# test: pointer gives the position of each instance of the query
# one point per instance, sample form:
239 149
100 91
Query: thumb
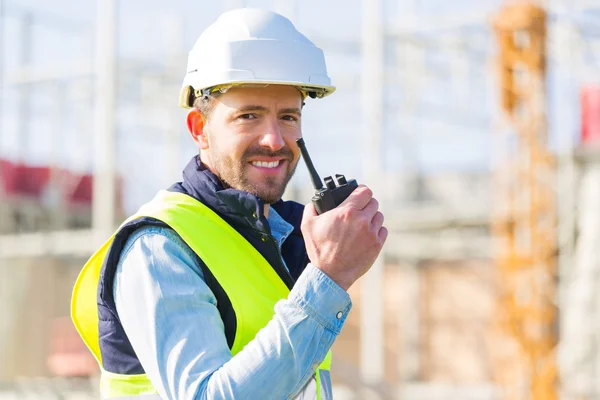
309 211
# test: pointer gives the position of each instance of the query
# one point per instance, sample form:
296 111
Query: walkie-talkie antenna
314 176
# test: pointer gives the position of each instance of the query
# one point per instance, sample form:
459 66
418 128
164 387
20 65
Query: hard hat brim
189 94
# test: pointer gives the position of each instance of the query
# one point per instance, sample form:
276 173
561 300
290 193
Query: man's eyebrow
292 110
255 107
251 107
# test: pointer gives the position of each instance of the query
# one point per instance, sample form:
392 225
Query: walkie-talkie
332 195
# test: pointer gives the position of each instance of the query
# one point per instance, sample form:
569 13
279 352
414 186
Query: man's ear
196 124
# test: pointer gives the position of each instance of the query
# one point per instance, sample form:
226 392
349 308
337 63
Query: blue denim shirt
170 317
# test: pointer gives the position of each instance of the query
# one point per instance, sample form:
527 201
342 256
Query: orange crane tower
524 222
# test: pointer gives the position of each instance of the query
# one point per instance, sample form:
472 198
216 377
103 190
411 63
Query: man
217 289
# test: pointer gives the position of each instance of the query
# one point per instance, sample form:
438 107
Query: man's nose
271 137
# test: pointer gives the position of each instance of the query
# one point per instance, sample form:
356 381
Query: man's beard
233 172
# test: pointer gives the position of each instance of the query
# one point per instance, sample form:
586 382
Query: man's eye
290 118
247 116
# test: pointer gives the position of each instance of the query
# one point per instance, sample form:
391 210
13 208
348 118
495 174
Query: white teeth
265 164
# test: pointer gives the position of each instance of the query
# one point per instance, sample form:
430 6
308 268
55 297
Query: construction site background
477 124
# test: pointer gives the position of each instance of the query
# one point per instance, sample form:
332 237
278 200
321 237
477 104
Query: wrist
321 298
340 279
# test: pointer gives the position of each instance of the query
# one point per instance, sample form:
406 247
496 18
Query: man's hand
344 242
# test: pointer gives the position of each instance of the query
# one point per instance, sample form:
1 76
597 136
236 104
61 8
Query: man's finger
371 208
377 221
309 211
383 234
359 198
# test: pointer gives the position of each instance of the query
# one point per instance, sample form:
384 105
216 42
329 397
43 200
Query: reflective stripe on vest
253 289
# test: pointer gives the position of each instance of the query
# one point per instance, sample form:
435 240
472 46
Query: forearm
286 353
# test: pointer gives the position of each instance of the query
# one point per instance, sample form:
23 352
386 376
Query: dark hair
205 104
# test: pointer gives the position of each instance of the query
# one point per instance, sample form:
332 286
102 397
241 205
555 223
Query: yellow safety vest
253 289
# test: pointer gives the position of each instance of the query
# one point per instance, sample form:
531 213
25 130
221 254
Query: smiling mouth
267 164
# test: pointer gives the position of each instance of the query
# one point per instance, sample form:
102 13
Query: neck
207 165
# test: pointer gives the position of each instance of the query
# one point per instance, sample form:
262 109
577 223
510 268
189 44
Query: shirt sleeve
170 317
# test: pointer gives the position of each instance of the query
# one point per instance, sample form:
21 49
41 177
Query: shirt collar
280 228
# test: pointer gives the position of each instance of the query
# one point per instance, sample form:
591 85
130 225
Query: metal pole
578 349
57 193
24 60
174 30
3 216
1 64
372 52
4 271
103 204
575 277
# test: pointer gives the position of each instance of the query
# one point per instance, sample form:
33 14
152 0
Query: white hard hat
253 46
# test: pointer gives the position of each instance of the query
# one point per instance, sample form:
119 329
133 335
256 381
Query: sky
447 127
